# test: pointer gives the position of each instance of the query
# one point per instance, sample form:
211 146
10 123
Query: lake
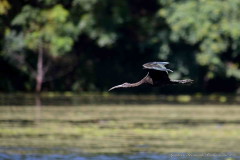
117 127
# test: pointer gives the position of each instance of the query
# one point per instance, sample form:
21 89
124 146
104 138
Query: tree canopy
90 45
213 26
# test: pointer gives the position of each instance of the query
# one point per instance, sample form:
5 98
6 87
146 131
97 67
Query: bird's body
157 76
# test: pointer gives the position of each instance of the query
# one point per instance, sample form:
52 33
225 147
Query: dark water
108 157
139 156
24 153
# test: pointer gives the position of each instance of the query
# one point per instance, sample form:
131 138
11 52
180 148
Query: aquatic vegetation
123 128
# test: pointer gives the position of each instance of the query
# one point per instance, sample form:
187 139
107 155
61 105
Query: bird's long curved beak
118 86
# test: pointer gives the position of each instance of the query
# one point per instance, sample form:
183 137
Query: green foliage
211 25
101 19
4 6
48 26
199 38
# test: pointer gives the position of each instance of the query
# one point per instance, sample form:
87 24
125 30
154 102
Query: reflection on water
55 99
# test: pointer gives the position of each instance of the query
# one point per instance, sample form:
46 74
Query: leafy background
91 45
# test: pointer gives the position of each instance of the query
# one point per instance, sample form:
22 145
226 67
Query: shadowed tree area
91 45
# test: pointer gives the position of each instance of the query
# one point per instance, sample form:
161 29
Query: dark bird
157 76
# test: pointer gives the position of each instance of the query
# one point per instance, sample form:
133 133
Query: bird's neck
184 81
146 79
135 84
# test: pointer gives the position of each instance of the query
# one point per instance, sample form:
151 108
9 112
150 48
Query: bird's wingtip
165 62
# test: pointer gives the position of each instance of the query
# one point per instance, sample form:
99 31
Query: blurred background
59 58
91 45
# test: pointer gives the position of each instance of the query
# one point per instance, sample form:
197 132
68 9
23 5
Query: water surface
119 127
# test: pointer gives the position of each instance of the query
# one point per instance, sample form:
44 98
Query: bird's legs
185 81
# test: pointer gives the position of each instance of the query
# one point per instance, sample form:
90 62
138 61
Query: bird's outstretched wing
160 66
158 72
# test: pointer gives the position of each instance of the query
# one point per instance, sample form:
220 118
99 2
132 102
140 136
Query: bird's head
124 85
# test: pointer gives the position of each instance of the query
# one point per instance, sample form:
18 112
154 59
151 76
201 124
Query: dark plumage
157 76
